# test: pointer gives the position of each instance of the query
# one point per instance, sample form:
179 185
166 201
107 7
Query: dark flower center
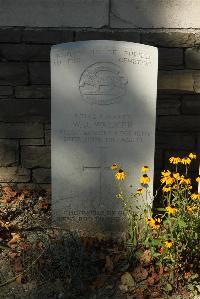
120 171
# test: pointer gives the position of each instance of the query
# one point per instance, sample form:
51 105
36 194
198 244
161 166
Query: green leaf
190 287
181 223
168 288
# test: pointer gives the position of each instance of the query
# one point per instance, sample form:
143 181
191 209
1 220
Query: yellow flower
186 181
174 160
168 243
144 180
150 221
120 175
171 209
176 175
168 180
140 191
167 188
154 223
114 166
157 222
190 209
198 179
195 196
145 169
186 161
166 173
192 156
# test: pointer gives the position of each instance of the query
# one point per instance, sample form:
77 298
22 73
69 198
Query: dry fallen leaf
17 265
19 279
15 239
139 273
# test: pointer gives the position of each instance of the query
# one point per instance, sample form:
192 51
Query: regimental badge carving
103 83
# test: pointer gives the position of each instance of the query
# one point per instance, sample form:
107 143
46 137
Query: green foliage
172 235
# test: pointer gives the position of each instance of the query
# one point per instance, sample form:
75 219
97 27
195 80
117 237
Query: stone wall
25 44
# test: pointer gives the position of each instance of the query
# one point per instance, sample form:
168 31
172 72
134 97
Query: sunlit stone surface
103 112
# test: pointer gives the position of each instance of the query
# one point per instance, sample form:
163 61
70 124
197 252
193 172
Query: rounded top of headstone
103 43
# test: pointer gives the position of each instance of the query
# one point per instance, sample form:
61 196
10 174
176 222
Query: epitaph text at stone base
103 112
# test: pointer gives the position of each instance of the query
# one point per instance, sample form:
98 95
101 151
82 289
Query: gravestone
103 112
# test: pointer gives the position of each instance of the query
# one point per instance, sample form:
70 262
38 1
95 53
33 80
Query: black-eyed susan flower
192 156
145 169
150 221
120 175
171 209
166 173
174 160
167 189
140 191
186 160
168 180
114 166
185 181
168 243
195 196
154 223
176 175
144 180
198 179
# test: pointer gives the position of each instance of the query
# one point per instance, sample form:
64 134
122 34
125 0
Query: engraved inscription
103 83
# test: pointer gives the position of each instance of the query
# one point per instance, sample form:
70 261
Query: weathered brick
41 175
53 13
170 57
158 159
154 14
196 78
178 141
169 39
192 58
8 152
14 110
48 126
191 104
13 73
21 130
35 156
12 35
168 105
32 92
29 141
179 123
176 81
39 73
14 174
32 186
6 90
47 36
108 35
48 137
23 52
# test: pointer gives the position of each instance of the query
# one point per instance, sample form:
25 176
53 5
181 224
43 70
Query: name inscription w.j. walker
103 112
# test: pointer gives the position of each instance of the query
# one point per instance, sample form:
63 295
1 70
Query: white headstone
103 112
